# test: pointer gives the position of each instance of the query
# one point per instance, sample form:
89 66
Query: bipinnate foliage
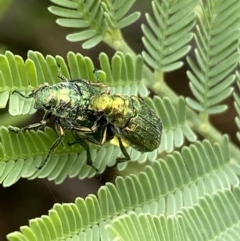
96 19
173 197
190 189
216 56
166 40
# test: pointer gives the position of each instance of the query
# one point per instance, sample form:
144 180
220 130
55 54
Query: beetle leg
84 129
35 126
56 143
104 136
87 130
24 96
85 145
124 152
62 77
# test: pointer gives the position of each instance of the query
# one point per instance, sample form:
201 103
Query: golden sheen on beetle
131 119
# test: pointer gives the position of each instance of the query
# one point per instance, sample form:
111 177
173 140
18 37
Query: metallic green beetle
130 119
67 102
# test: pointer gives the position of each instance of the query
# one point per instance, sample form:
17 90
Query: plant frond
124 74
222 209
199 170
217 37
88 16
93 18
129 227
21 154
174 122
169 187
14 72
237 104
114 12
166 41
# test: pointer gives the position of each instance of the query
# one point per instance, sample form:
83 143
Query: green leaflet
216 55
167 37
93 18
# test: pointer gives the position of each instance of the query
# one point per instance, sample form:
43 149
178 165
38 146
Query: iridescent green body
65 99
68 103
131 119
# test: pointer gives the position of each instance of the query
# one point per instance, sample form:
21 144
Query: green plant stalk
115 40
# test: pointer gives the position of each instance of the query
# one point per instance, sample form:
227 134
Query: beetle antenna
24 96
60 75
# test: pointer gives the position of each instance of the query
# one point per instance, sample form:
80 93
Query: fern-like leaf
215 217
169 187
114 11
93 18
124 75
85 15
217 40
166 40
22 153
174 122
130 227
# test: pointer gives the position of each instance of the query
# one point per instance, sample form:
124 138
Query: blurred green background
27 25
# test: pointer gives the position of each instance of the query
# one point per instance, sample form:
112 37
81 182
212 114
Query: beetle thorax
58 101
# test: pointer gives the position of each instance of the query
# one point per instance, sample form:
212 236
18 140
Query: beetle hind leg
124 152
85 145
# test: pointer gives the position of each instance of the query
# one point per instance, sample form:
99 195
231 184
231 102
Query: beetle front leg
24 96
35 126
